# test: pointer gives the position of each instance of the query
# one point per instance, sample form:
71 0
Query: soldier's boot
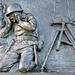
40 45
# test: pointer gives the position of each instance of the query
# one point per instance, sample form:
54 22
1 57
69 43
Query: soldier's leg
26 62
8 61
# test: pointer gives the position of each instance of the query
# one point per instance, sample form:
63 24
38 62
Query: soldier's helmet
13 8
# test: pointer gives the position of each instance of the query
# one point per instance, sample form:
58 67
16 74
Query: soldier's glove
24 17
21 17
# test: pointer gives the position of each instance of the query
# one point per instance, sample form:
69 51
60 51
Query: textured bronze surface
46 11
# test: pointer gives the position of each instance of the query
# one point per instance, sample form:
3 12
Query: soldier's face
15 17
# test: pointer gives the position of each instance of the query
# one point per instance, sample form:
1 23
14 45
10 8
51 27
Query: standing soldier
26 42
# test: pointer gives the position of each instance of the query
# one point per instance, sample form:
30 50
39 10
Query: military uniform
26 37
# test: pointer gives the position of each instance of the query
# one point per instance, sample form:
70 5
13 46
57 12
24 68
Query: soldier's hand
17 18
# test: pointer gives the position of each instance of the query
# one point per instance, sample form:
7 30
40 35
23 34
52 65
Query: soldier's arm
31 23
2 22
4 31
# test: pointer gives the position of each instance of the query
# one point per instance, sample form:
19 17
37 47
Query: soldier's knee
40 45
22 70
26 67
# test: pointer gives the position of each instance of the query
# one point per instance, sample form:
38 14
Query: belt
21 38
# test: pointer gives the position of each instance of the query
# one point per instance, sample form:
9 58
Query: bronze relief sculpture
24 46
20 45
